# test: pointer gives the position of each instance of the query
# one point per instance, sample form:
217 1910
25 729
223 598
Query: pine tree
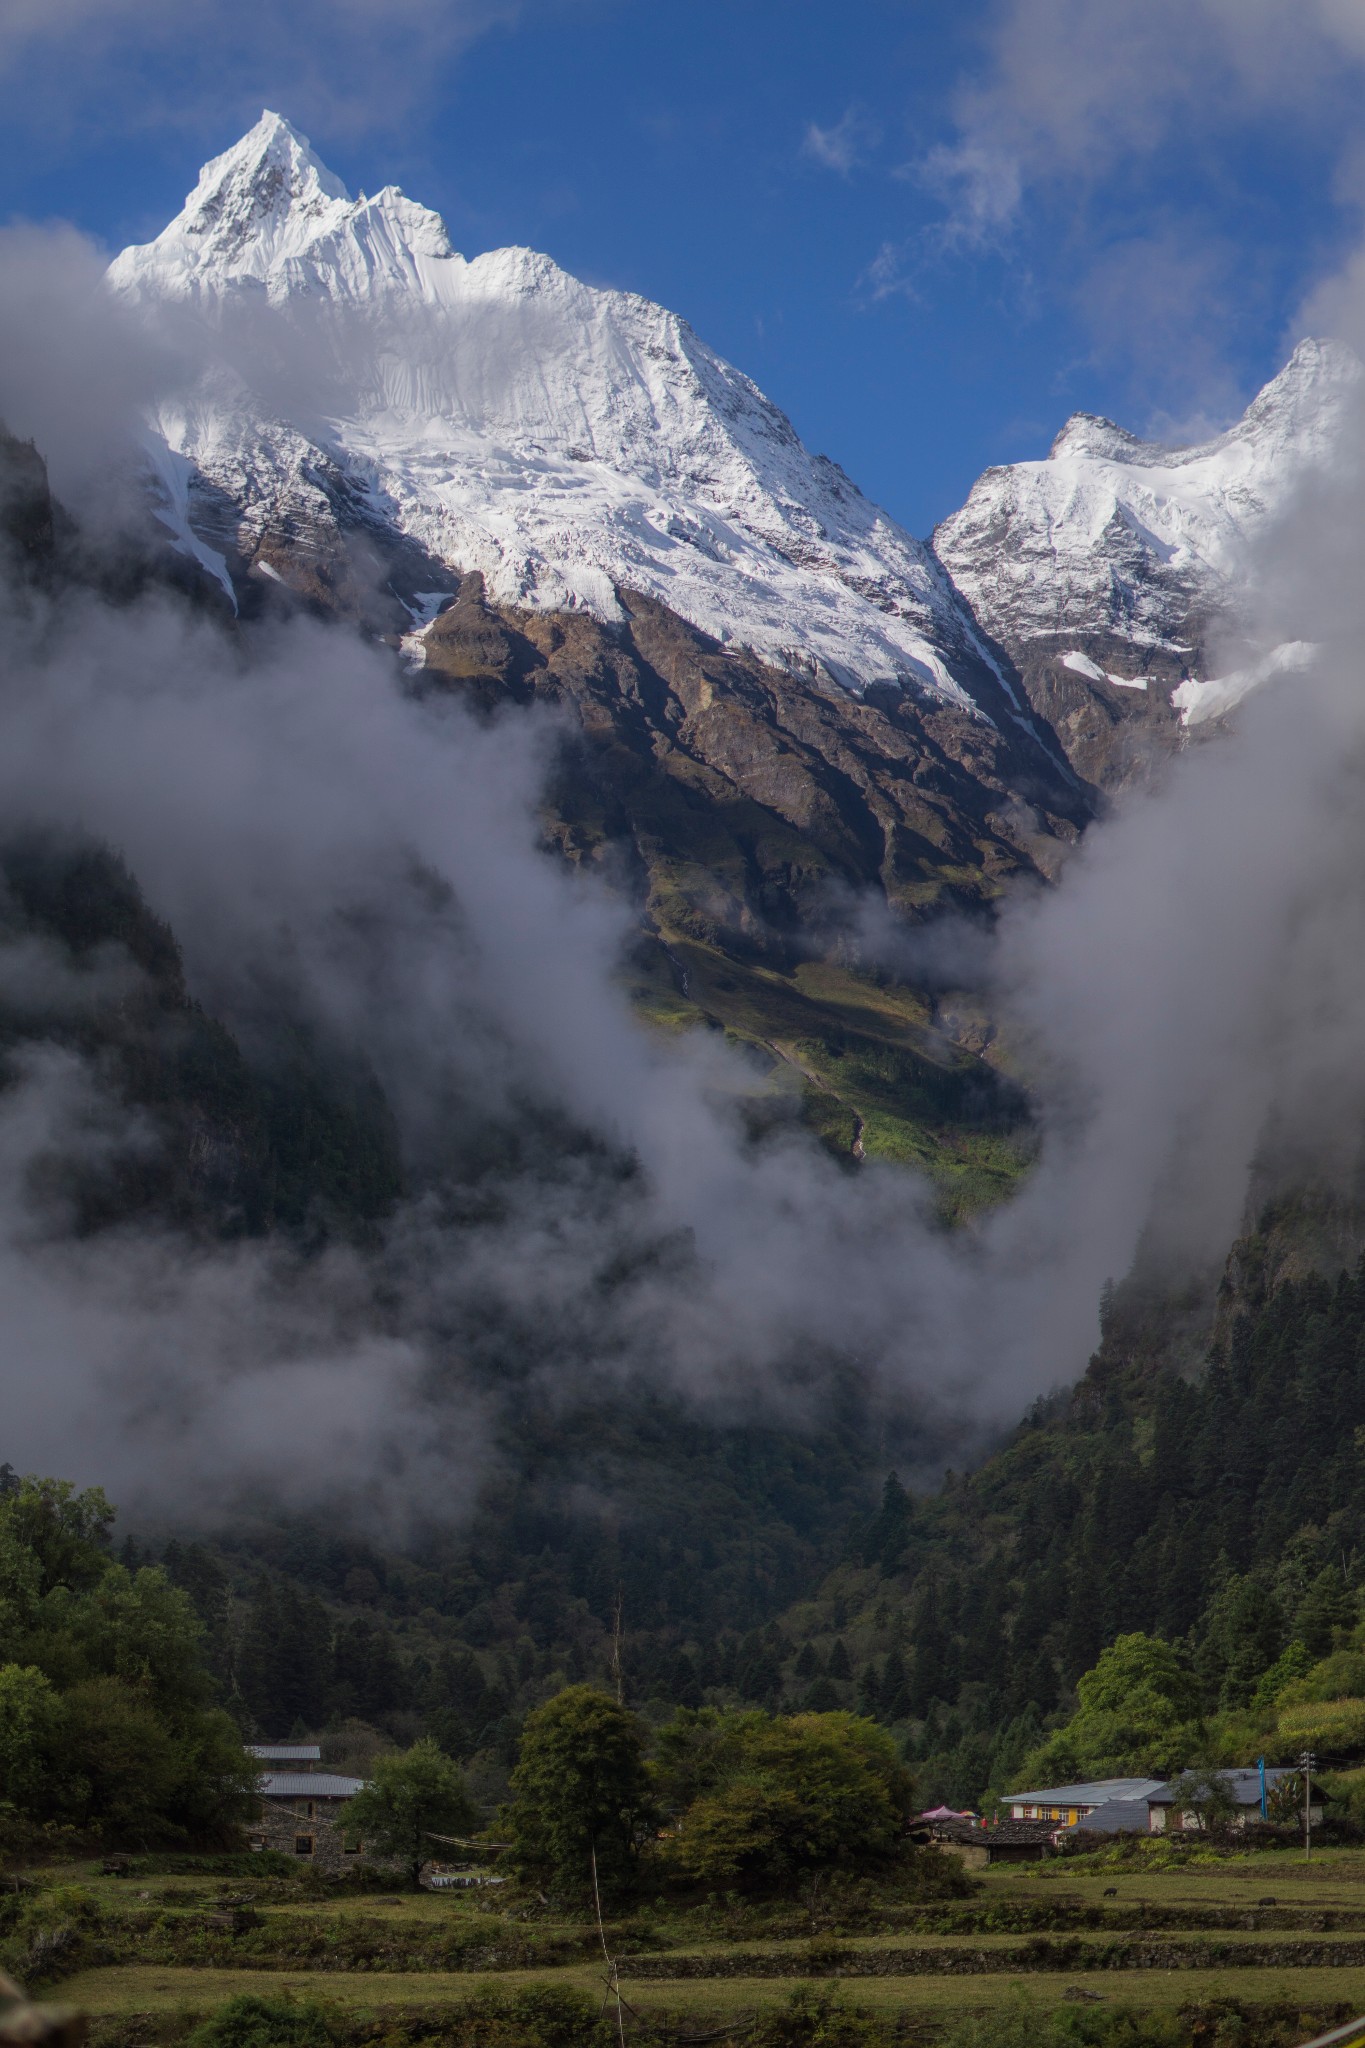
893 1692
1327 1606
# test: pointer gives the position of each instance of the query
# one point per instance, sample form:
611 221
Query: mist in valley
587 1204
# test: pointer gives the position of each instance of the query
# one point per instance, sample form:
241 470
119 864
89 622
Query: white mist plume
1191 983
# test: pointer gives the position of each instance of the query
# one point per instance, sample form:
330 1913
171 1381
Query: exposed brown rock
744 791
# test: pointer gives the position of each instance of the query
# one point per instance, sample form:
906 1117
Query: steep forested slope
299 1138
1221 1510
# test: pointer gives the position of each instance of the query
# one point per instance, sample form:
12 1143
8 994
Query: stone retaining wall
1069 1956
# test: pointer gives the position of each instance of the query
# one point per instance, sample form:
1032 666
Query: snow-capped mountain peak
568 442
1121 575
267 194
1087 433
268 211
1125 539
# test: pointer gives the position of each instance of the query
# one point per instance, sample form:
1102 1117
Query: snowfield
350 368
565 441
1120 538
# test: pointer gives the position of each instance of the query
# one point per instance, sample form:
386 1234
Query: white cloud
981 184
115 66
843 146
1072 88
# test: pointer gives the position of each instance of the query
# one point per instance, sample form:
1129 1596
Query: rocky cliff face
745 791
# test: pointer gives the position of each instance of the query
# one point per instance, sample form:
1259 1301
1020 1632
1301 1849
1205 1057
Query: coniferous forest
1222 1515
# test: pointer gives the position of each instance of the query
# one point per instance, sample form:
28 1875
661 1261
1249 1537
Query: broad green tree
107 1721
699 1750
582 1790
30 1716
64 1532
411 1797
1138 1710
804 1794
1206 1794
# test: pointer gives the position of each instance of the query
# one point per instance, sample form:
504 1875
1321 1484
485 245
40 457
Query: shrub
247 2020
818 2016
258 1863
1021 2025
541 2016
51 1934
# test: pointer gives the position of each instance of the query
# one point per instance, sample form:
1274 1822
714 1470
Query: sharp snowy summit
357 382
567 442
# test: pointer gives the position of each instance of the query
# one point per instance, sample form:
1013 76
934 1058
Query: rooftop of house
1098 1792
1007 1831
307 1785
285 1752
1244 1785
1115 1817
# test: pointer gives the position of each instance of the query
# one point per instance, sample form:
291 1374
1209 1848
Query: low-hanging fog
1188 999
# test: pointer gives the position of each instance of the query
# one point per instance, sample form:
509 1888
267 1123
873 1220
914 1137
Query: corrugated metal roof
1099 1792
285 1752
307 1785
1115 1817
1245 1786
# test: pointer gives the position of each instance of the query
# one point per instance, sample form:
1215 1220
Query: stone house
302 1813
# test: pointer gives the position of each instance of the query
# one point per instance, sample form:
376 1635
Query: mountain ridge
369 397
1115 573
562 440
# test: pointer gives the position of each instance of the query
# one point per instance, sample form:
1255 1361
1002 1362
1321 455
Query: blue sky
928 232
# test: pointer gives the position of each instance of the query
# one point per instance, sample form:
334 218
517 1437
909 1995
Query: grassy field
137 1990
950 1971
1333 1878
874 1078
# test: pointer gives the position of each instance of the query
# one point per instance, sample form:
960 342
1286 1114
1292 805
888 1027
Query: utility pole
1309 1763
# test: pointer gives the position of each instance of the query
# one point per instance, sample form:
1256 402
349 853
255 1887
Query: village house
1115 1817
302 1813
294 1756
1245 1787
1069 1804
1132 1806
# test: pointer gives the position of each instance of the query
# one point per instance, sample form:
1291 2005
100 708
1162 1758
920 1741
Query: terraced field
1280 1946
